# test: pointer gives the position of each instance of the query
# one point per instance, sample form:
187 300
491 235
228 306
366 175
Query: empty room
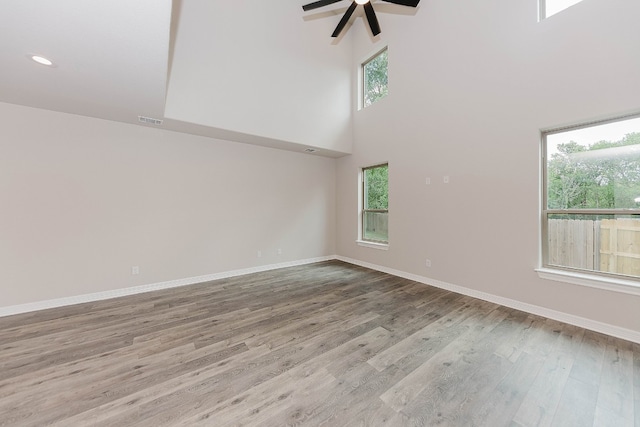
334 212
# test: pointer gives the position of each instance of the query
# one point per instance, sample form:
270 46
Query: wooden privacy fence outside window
377 223
607 245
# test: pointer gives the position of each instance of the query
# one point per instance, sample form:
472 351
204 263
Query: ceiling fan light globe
362 1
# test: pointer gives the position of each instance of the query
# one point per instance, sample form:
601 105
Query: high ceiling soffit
112 60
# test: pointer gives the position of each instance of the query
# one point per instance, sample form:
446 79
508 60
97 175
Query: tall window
591 211
374 78
375 204
551 7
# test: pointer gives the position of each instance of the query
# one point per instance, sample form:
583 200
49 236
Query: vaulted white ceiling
253 71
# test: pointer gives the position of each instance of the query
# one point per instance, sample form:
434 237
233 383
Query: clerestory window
375 78
551 7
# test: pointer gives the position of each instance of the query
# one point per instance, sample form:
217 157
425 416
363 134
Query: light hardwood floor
324 344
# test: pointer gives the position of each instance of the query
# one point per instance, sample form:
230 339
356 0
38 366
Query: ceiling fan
368 9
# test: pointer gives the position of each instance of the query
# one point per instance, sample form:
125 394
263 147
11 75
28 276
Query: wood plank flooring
325 344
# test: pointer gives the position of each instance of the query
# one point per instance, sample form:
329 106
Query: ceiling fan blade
344 20
318 4
412 3
371 17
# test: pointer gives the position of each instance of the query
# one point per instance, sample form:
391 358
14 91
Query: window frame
362 241
363 79
592 278
542 9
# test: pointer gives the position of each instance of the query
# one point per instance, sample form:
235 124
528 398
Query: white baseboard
605 328
98 296
593 325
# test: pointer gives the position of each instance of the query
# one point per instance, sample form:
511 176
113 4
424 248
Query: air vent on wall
149 120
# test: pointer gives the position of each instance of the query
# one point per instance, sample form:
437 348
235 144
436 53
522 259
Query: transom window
551 7
375 204
375 78
591 210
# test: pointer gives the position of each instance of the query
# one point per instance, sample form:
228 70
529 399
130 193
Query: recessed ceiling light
41 60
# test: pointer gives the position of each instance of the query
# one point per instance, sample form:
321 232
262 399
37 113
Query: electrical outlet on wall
135 270
259 254
428 263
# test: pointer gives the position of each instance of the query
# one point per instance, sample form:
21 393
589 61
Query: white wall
83 200
264 68
471 85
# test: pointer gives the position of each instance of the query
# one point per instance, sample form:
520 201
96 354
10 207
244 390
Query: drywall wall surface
470 86
262 68
85 200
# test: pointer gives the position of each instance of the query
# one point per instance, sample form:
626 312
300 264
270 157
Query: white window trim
609 283
590 280
367 243
365 60
373 245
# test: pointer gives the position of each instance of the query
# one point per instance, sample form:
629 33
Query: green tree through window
602 175
375 78
591 213
375 203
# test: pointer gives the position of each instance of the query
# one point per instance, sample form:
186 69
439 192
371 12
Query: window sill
380 246
591 280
